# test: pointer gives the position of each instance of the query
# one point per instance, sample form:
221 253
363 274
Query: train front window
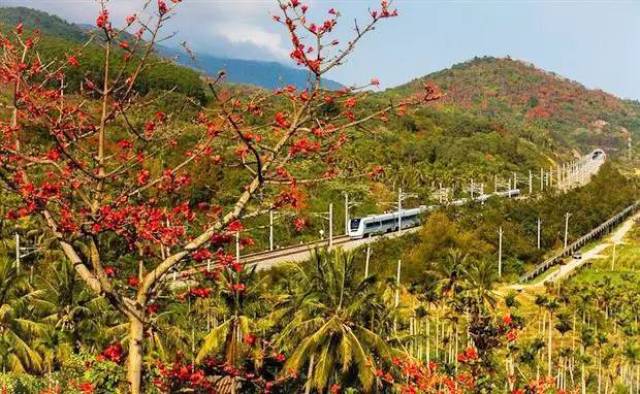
355 223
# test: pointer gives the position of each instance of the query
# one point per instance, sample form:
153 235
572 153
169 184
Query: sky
596 43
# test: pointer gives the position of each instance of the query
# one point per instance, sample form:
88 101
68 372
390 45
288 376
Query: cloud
239 28
240 33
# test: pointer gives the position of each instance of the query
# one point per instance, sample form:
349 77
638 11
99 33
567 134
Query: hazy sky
594 42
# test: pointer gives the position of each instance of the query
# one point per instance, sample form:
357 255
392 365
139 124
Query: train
408 218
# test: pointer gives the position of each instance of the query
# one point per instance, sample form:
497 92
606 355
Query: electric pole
399 210
566 228
613 256
397 298
271 230
237 246
500 252
366 261
17 253
330 225
346 214
539 228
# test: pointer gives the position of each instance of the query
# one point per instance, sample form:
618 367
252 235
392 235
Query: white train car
387 222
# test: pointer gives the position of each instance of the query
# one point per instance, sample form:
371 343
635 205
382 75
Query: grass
626 268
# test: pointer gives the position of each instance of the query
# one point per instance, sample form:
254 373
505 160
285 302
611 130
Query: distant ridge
259 73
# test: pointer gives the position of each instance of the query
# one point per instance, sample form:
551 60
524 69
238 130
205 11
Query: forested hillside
524 96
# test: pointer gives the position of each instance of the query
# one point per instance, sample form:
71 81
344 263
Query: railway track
298 253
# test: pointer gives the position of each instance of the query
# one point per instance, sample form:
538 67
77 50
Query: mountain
520 94
48 24
268 75
259 73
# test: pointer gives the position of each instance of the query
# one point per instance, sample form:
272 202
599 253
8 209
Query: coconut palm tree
480 277
326 324
19 326
232 337
75 317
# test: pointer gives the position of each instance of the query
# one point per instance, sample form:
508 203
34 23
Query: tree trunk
550 353
134 363
307 389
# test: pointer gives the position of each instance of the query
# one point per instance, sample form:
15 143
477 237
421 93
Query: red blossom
299 224
281 120
200 292
73 61
112 352
86 388
201 255
102 21
249 339
53 154
110 271
152 309
235 226
468 355
133 281
130 19
143 177
162 7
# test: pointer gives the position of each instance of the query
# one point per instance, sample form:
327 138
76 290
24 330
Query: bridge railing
577 244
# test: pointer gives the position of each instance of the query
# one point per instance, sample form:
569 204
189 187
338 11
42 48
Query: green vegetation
446 325
541 103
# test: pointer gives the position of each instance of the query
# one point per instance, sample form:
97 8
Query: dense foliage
526 97
127 198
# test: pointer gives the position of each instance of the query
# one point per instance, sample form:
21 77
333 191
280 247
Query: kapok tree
97 178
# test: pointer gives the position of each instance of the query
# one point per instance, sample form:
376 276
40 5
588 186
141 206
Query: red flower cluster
102 21
162 7
201 255
470 354
179 376
238 287
112 353
110 271
384 11
291 197
200 292
133 281
281 120
510 327
73 61
304 146
299 224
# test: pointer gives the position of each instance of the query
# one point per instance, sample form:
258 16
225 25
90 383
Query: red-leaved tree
88 171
